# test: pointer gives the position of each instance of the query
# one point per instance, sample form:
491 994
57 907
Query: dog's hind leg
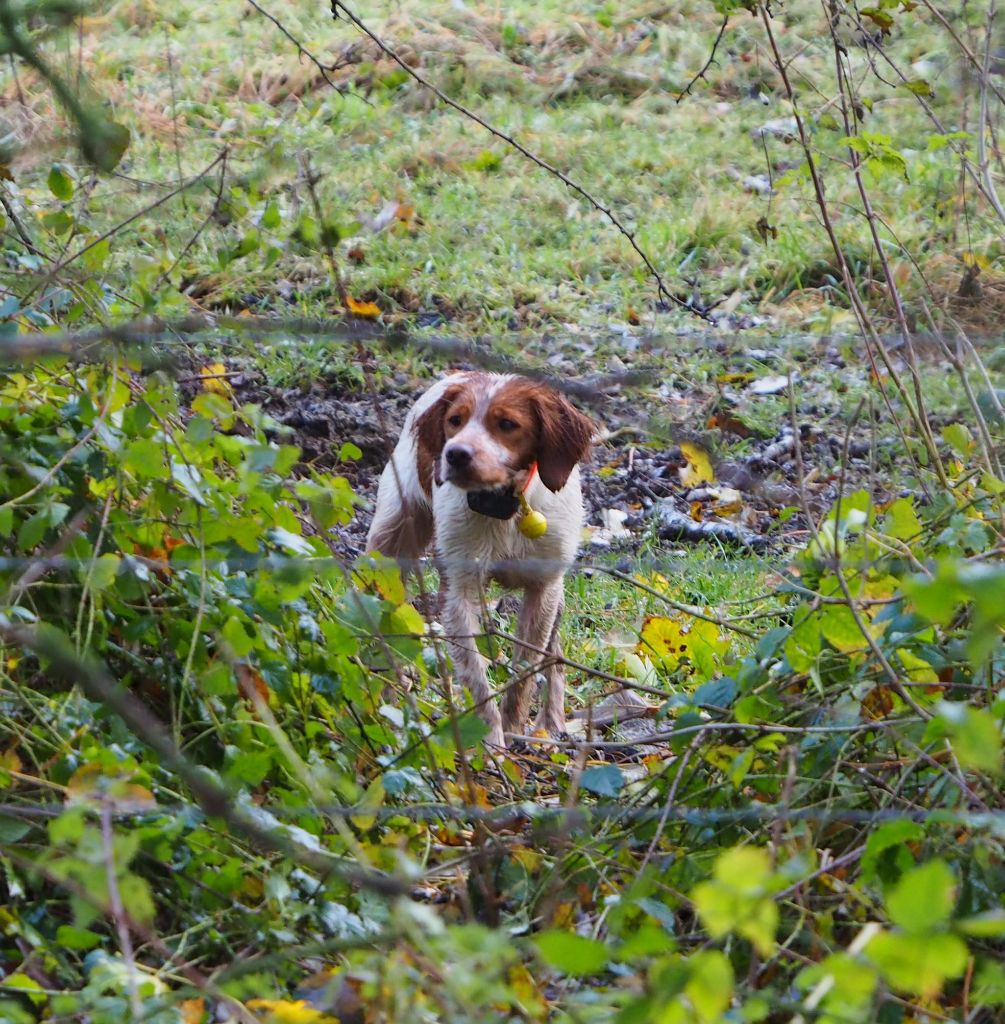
537 626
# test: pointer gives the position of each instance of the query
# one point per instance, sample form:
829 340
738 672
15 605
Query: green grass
495 241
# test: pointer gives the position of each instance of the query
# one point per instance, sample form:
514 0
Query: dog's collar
500 504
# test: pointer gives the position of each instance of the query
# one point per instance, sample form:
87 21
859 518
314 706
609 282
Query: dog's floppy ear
565 438
430 437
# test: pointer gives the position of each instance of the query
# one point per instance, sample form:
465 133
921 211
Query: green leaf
709 987
240 644
959 438
880 18
349 452
924 898
470 726
29 986
986 926
137 899
104 571
571 953
738 900
918 964
746 868
840 629
144 458
989 984
246 246
60 183
59 222
249 767
188 479
890 836
272 217
802 648
975 736
919 87
70 937
604 780
901 521
104 143
68 828
12 830
850 982
291 542
32 530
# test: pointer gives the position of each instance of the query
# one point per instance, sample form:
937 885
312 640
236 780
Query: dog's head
485 432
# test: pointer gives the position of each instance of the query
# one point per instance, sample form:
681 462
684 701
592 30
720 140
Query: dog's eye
507 424
455 420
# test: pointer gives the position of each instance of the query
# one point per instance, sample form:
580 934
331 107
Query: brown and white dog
472 447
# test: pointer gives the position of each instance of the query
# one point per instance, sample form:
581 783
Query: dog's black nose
458 456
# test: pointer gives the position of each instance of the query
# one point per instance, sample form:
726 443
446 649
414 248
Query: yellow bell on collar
532 524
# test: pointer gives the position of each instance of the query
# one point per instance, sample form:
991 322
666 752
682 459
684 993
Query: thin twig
302 50
686 91
116 909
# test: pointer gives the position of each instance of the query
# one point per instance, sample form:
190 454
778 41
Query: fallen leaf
289 1011
214 379
662 640
766 229
699 465
726 421
366 310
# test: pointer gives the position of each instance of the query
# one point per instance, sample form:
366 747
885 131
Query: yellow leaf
289 1011
529 859
9 759
662 640
376 573
193 1011
699 465
918 670
367 310
214 379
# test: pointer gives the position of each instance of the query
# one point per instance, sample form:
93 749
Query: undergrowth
237 783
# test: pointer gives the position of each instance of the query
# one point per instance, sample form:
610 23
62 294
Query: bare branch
686 91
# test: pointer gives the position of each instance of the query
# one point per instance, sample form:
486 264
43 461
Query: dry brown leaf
251 684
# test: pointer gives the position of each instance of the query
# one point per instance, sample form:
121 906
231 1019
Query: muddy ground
754 503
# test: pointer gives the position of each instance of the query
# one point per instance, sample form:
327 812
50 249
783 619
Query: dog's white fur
470 547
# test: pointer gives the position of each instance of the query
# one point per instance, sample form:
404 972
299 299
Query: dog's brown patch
562 434
514 420
406 536
431 436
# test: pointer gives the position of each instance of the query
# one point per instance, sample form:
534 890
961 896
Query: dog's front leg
542 606
462 627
